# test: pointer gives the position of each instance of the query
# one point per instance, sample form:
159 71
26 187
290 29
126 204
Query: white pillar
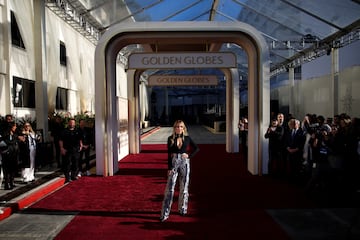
5 31
232 110
291 90
106 126
335 79
41 99
134 111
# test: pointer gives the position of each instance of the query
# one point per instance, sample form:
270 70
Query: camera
313 128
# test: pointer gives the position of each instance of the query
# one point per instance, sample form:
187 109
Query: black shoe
8 186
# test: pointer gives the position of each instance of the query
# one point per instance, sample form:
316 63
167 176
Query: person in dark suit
295 140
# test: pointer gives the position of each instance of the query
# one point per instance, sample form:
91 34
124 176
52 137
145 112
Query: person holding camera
10 155
28 152
320 143
275 134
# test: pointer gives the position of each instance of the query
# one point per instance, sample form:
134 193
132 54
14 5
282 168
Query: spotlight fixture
17 91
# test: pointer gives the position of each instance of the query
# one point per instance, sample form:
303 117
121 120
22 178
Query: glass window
61 98
62 54
16 38
23 92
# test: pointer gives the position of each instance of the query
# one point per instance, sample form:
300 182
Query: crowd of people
18 151
72 146
321 153
19 148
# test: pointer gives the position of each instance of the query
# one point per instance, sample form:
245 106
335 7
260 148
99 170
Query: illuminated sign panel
181 60
182 80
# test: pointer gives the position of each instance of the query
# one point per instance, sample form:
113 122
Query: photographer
308 126
10 156
275 134
320 143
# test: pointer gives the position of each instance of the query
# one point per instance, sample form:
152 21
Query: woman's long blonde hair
30 130
185 132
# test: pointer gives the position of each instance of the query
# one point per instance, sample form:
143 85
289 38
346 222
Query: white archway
121 35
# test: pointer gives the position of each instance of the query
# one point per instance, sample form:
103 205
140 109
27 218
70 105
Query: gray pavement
310 224
21 226
200 135
42 175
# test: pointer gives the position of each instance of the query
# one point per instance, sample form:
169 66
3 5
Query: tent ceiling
292 28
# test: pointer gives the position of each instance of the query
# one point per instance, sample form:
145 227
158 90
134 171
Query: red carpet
225 200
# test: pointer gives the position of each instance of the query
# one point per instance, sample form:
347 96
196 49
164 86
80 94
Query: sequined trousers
181 169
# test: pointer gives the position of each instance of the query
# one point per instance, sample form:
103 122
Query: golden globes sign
182 60
182 80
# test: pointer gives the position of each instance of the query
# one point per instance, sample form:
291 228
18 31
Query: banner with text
182 80
182 60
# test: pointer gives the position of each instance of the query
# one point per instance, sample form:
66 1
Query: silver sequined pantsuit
182 169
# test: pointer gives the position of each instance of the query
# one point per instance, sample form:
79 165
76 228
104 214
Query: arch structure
211 34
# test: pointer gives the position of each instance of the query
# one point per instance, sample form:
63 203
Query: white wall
313 92
314 96
121 79
3 60
78 75
21 61
122 113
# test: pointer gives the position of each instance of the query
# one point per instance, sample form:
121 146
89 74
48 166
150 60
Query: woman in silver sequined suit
181 148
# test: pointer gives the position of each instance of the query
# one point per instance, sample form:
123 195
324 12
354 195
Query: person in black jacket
56 128
70 143
181 148
275 134
87 138
10 155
